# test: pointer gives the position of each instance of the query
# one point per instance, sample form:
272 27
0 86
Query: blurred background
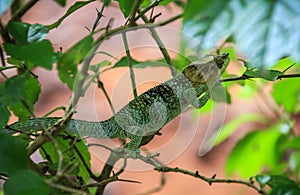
182 143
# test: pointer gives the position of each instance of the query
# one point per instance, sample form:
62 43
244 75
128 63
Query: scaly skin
150 111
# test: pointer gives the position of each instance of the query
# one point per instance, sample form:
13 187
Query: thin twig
20 12
3 177
100 145
288 76
245 77
129 61
16 5
210 180
67 189
144 11
133 13
85 164
104 177
99 16
149 159
54 110
4 33
59 172
122 169
172 19
117 30
107 181
161 46
158 188
101 86
54 131
33 166
2 57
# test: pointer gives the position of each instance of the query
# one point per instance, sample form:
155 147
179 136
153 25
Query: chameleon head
202 72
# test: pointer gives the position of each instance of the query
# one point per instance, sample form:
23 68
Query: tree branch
210 180
132 18
129 61
245 77
161 46
107 169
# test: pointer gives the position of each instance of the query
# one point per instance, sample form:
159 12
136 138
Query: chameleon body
150 111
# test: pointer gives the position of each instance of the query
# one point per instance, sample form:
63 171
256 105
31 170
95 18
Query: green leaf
69 154
61 2
4 5
146 3
13 155
230 127
259 148
73 8
287 93
123 62
19 31
283 185
262 180
291 144
26 33
36 33
22 87
15 87
26 182
32 90
165 2
294 163
12 61
259 28
20 110
34 54
206 22
106 2
126 6
95 68
284 63
67 64
4 115
270 75
18 89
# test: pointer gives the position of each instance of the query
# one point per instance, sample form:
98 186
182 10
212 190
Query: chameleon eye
219 61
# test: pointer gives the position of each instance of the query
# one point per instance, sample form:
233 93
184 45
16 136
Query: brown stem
210 180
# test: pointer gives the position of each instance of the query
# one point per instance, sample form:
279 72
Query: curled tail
103 129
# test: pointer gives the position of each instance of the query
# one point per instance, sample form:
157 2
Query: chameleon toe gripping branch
149 112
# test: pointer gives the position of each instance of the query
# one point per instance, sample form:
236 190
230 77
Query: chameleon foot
132 153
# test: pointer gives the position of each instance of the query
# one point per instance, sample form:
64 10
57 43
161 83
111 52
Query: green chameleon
144 116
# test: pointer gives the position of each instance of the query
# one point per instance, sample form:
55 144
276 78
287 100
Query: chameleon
146 114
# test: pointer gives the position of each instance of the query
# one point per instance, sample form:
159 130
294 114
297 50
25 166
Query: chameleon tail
104 129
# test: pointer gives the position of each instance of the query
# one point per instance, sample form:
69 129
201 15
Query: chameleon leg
158 114
135 136
191 97
202 100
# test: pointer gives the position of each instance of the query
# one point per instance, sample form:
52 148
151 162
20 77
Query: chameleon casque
149 112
